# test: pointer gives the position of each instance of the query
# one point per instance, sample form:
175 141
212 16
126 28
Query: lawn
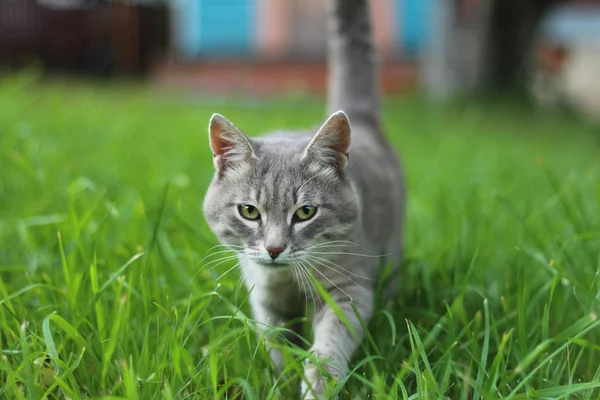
105 289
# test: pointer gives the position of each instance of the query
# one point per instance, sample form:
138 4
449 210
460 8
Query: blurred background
447 47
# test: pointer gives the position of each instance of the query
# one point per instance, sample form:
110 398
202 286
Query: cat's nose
274 252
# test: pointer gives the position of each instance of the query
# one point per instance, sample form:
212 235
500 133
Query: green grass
102 242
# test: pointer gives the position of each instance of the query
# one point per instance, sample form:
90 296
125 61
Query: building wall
288 29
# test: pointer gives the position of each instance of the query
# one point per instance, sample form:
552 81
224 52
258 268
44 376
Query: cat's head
272 199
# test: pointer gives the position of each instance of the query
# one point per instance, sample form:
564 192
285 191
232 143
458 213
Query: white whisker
227 246
342 274
333 265
338 243
343 253
219 261
311 285
230 246
228 271
337 287
294 274
295 278
301 280
218 252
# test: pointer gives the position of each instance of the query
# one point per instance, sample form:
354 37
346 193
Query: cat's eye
305 213
249 212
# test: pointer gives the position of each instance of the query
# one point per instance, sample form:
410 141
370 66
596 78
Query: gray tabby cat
295 203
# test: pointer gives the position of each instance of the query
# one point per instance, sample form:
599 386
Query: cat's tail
353 76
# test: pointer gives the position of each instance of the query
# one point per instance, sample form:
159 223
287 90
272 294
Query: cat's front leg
334 343
270 311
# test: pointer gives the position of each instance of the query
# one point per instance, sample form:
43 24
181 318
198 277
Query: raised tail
353 77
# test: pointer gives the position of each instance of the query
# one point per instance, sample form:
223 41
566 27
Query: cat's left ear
332 142
228 144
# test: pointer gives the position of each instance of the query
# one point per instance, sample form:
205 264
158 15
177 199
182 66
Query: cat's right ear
228 144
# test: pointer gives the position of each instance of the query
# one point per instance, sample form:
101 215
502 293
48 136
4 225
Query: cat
329 204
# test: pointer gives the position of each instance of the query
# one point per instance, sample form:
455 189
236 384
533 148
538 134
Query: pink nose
274 251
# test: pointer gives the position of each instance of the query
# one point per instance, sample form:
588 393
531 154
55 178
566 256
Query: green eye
305 213
249 212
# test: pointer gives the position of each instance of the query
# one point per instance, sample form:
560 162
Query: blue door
215 28
412 31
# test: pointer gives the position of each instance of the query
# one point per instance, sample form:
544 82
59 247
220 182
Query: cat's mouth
275 264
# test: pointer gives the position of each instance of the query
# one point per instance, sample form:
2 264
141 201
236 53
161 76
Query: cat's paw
316 389
316 383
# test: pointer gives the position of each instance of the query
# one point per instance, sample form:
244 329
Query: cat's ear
228 144
332 142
